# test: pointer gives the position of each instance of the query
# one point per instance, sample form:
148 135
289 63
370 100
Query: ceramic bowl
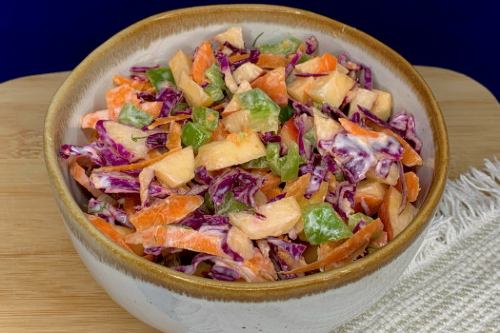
175 302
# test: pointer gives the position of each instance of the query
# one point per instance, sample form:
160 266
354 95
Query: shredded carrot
167 120
137 165
237 57
108 230
174 136
355 129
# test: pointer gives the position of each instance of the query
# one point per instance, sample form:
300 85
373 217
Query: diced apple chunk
341 69
233 35
236 149
180 63
297 89
368 196
276 218
383 105
176 169
234 103
124 135
247 72
394 221
364 98
324 126
330 89
391 179
239 242
236 122
194 94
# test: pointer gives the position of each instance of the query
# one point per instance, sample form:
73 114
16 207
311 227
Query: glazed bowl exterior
175 302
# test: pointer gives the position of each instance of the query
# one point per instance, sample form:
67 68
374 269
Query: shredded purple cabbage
268 137
198 259
169 96
108 212
234 49
146 96
358 226
334 113
153 250
120 150
142 69
295 249
305 147
310 74
311 45
317 177
223 61
223 273
242 184
404 123
342 199
197 219
291 65
253 57
120 182
367 78
278 197
156 140
301 108
383 167
202 176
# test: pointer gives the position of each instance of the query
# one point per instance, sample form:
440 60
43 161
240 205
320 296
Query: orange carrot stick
168 120
203 58
108 230
355 129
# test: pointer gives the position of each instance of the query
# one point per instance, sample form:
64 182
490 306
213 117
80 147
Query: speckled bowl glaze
175 302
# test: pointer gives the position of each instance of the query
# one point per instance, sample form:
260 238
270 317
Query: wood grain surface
44 285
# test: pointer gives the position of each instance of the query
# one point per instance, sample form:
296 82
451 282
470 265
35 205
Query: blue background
47 36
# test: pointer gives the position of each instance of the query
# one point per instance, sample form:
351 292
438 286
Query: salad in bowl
257 162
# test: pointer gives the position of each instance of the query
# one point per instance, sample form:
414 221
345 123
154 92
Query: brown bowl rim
194 286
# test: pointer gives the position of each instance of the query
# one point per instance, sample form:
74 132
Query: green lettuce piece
287 167
284 47
216 94
230 205
263 112
207 118
195 135
160 77
131 115
355 218
322 224
214 76
259 163
286 113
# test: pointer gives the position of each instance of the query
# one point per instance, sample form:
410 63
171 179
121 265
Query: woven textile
453 284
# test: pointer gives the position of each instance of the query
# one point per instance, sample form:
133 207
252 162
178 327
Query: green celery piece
208 202
303 58
214 76
131 115
284 47
310 136
179 107
160 77
355 218
230 205
290 163
263 112
195 135
207 118
273 157
322 224
216 94
286 113
259 163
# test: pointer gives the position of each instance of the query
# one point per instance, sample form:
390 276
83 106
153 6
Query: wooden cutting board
44 286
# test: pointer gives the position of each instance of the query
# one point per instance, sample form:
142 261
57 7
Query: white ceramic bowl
174 302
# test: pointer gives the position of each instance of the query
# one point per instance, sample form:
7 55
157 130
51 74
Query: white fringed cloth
453 284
